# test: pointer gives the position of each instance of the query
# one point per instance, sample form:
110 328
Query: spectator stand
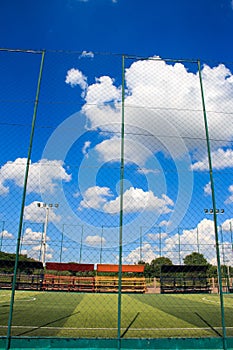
107 278
59 282
184 279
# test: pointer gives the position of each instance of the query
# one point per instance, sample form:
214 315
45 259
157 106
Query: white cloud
5 234
109 150
135 199
221 159
31 244
156 236
43 175
34 213
146 252
102 91
76 77
207 189
88 54
94 197
165 223
146 171
85 148
95 240
229 200
32 237
232 4
158 93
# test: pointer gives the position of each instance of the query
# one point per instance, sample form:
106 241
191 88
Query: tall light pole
47 207
2 234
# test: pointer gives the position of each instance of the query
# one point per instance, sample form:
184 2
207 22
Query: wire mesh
98 194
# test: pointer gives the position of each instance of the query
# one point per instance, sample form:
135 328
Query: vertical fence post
121 202
23 202
214 207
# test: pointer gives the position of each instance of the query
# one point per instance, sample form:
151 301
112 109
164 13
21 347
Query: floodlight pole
3 228
47 207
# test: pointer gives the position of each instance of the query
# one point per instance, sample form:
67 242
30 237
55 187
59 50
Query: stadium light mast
47 208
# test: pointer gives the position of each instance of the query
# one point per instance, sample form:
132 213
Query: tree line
153 269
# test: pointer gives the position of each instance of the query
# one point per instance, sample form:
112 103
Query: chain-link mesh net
118 173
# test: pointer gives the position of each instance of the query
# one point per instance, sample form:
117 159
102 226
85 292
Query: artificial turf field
64 314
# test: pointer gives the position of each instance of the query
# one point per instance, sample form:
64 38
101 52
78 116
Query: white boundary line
132 329
17 300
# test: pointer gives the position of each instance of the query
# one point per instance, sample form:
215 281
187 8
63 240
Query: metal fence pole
214 207
121 203
23 201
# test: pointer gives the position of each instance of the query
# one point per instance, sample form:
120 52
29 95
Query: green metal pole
81 245
214 208
121 202
231 236
140 244
160 242
62 238
179 245
198 247
23 202
101 243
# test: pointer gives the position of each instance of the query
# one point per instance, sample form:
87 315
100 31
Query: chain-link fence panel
115 197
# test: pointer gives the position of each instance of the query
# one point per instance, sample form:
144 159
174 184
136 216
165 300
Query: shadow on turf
133 320
208 324
48 323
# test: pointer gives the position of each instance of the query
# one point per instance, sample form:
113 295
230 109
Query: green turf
61 314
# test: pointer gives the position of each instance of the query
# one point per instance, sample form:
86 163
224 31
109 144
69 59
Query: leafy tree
195 259
155 265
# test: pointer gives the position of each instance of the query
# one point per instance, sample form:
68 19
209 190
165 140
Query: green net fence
116 197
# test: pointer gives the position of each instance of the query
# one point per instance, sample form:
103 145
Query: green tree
195 259
155 265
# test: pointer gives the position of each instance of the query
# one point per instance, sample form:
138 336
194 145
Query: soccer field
61 314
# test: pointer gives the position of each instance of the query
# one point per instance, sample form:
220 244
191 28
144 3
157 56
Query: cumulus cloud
135 199
85 148
31 244
102 91
34 213
207 189
148 171
87 54
76 77
109 150
43 175
168 95
157 236
95 240
221 159
229 200
5 234
146 252
94 197
176 247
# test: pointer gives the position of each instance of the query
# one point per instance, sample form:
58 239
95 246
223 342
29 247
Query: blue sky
76 148
177 29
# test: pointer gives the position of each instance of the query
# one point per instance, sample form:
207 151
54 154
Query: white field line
115 328
17 300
